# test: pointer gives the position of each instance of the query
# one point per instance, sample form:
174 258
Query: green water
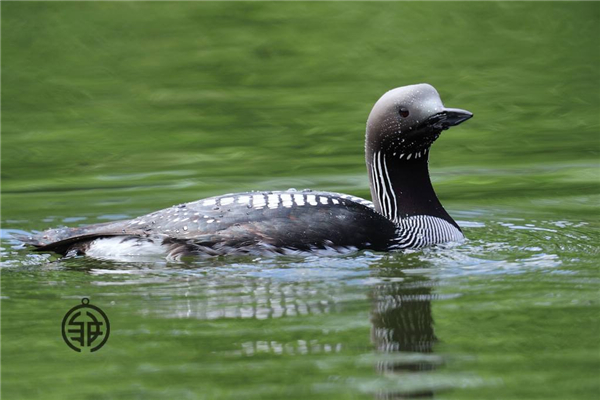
113 110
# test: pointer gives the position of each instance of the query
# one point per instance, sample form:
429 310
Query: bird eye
403 112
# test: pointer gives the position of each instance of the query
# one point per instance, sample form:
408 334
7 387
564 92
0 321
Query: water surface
113 110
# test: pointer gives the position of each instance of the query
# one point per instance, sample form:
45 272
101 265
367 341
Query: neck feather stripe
385 196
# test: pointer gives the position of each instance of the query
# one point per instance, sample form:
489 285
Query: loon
404 212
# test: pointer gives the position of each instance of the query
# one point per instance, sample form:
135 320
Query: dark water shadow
402 329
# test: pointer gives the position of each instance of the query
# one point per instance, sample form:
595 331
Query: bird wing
299 220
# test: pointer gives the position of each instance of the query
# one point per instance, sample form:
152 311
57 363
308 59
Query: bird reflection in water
402 330
321 314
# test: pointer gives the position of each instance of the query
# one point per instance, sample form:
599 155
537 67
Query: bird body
404 213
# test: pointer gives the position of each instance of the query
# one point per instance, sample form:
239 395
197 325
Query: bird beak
449 117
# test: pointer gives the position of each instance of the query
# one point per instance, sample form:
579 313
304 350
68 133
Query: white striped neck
401 187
